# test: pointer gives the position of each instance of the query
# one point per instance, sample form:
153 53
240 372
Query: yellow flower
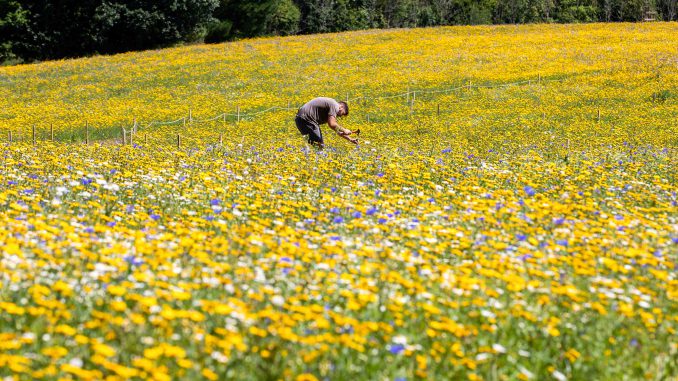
116 290
306 377
103 349
54 352
209 374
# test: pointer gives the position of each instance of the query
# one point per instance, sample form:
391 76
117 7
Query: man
320 111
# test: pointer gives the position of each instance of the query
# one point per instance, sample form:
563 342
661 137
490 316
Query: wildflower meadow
511 211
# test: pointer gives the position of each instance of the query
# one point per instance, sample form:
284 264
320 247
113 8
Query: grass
515 235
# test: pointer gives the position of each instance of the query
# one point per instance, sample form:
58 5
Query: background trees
49 29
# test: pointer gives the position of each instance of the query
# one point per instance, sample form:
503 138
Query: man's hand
345 132
341 131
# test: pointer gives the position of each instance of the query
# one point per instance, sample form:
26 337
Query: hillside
509 213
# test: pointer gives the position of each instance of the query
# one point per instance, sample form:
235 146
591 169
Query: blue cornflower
132 260
529 191
396 349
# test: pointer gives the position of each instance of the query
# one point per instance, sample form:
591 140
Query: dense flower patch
517 235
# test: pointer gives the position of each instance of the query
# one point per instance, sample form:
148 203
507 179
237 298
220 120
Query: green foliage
239 19
218 31
12 18
285 19
136 25
104 26
571 11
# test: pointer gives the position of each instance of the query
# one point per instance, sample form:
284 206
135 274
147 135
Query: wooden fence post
221 139
438 109
568 147
178 141
145 139
86 132
9 136
599 115
414 98
238 112
34 134
124 136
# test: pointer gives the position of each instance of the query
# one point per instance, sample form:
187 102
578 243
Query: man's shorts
311 129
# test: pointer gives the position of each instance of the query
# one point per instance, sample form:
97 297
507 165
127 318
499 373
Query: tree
142 24
106 26
632 10
46 35
284 20
12 19
572 11
667 9
241 18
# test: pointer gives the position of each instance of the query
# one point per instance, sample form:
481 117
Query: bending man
320 111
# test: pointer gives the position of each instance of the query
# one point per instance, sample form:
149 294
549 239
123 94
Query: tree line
52 29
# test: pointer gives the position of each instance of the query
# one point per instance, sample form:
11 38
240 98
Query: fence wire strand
242 115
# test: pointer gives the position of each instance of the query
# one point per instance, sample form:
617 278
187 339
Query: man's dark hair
345 106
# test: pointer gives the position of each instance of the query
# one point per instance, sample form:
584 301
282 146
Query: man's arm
341 131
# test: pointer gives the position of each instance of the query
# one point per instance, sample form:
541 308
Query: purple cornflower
396 349
529 191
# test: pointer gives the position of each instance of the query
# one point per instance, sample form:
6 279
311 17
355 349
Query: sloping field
511 211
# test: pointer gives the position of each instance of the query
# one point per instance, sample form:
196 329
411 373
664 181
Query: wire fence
127 136
410 95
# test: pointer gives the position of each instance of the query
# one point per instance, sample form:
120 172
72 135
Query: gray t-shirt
319 110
